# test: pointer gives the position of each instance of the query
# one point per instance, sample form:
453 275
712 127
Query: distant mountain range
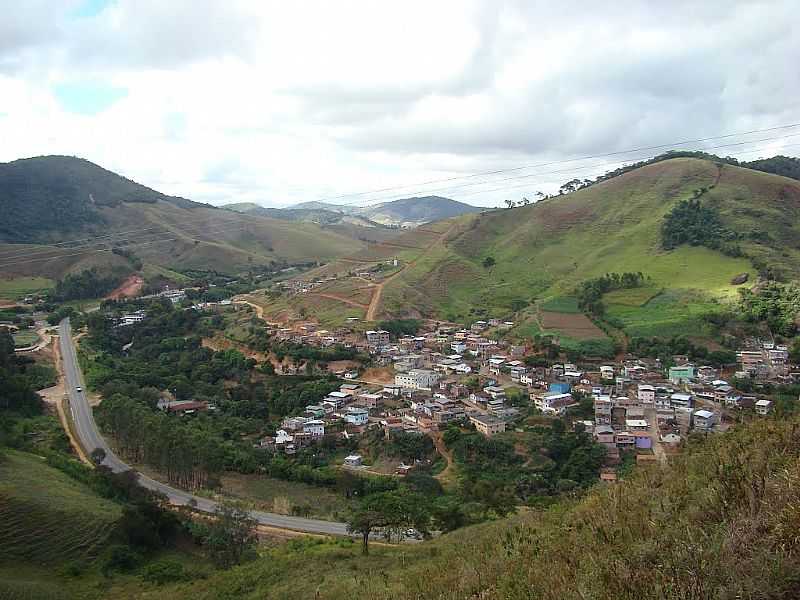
404 213
407 212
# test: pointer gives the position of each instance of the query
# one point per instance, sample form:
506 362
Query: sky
283 102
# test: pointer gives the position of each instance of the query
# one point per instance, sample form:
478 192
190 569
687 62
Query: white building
314 427
417 379
356 416
763 407
553 402
705 420
646 393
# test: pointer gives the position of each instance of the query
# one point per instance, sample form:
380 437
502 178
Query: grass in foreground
47 517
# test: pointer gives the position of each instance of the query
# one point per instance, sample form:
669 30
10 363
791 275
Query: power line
581 167
549 163
86 243
99 239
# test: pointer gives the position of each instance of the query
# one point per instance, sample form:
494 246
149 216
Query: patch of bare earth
577 326
129 288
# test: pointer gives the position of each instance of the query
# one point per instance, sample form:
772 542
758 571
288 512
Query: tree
390 511
488 262
509 203
231 536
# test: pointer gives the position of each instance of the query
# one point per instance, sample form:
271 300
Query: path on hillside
90 439
377 294
259 309
438 442
341 299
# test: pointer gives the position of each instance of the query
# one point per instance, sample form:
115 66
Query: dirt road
377 294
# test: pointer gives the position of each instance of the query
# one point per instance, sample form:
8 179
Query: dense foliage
400 327
691 222
53 195
666 348
86 284
776 304
19 382
495 475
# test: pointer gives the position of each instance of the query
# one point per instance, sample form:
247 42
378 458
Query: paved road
90 438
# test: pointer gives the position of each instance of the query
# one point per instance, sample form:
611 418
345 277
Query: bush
164 571
120 558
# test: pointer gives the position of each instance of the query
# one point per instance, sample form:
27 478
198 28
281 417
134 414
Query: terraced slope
53 200
47 517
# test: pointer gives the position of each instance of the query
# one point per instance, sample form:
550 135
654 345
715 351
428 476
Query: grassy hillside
542 252
53 199
45 516
721 521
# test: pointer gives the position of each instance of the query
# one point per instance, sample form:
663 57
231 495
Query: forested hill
47 195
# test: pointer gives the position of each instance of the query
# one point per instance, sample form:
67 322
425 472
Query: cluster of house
765 361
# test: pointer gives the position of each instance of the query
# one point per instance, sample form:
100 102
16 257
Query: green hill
55 199
499 262
46 517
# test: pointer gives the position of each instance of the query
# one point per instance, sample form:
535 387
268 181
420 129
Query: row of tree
189 457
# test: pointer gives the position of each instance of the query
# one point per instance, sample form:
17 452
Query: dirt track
128 288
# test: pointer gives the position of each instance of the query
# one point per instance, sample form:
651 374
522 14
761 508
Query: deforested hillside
533 258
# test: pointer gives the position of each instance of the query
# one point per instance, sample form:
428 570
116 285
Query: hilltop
55 199
406 212
319 216
529 260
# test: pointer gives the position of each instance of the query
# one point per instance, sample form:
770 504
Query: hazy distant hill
407 212
320 216
67 200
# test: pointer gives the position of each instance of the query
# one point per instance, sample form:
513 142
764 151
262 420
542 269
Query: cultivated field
576 326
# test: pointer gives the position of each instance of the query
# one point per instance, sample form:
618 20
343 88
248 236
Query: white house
417 379
682 400
705 420
354 460
314 427
553 403
646 393
356 416
763 407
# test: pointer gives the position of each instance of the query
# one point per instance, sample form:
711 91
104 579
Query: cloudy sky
282 102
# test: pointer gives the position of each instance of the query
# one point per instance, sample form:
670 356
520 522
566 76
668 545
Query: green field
25 338
45 516
561 304
19 287
672 312
277 495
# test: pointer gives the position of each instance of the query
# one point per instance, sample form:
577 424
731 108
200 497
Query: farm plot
573 325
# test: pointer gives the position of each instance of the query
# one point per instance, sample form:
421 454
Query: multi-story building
488 425
417 379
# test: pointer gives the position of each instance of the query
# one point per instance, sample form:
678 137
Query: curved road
90 438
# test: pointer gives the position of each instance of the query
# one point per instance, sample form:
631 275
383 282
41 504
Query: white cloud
282 102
